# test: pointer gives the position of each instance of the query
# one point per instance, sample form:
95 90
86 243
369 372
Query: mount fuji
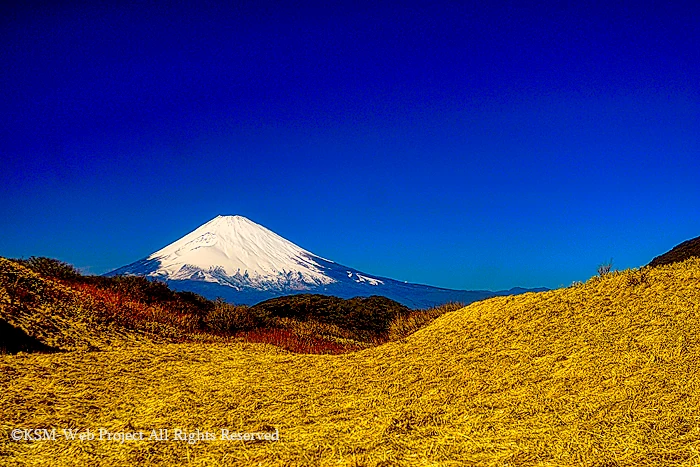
242 262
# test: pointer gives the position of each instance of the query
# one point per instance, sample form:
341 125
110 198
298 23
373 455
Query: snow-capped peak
234 246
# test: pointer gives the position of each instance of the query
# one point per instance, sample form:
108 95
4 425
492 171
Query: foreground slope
603 373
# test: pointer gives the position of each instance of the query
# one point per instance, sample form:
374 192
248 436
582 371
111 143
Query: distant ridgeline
687 249
243 262
47 305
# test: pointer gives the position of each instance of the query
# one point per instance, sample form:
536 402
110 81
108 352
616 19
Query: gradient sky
471 145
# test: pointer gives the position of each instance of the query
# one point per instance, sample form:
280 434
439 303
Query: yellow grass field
604 373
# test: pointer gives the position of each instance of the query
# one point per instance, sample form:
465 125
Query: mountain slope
602 373
685 250
243 262
233 251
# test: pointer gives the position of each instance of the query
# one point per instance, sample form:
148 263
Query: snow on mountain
234 258
234 249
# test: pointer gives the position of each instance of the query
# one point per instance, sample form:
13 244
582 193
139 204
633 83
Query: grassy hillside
40 313
46 305
602 373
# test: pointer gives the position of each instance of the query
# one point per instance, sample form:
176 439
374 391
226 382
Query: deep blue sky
476 146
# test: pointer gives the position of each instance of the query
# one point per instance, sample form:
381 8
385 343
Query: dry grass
309 337
60 316
405 325
602 373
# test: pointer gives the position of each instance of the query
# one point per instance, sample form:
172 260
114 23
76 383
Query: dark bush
51 268
361 314
228 318
688 249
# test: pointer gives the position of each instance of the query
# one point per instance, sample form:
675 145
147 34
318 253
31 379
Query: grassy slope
56 315
604 373
46 304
